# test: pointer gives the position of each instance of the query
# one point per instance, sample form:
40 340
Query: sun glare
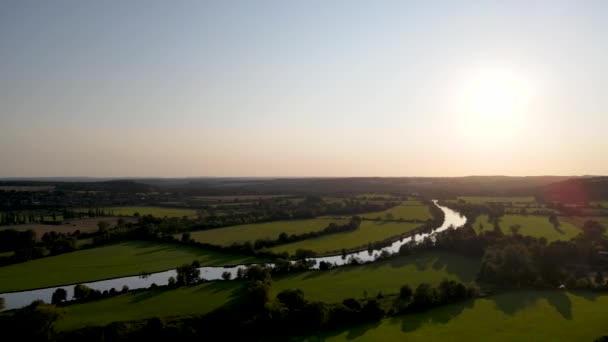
494 103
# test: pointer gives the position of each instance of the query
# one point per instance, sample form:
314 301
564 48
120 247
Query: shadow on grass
511 303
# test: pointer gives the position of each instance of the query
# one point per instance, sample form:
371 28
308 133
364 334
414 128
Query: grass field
330 286
535 226
269 230
368 231
519 316
83 225
154 211
579 221
407 210
483 199
113 261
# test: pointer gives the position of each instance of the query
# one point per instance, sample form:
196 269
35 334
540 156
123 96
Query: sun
494 102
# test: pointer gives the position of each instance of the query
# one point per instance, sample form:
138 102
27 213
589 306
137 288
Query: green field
535 226
579 221
330 286
154 211
483 199
518 316
113 261
385 276
269 230
407 210
368 231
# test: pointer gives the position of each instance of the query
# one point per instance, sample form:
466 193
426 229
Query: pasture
268 230
124 259
535 226
329 286
516 316
154 211
407 210
368 232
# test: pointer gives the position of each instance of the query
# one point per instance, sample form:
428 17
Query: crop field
517 316
368 231
330 286
535 226
407 210
269 230
154 211
83 225
130 258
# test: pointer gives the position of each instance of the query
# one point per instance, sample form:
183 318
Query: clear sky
306 88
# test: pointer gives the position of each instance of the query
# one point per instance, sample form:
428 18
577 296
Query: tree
60 295
1 303
292 299
424 296
593 230
82 292
405 293
599 279
185 237
102 226
187 274
172 282
515 229
35 322
226 275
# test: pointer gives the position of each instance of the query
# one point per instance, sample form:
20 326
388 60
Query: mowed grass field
329 286
154 211
517 316
535 226
268 230
130 258
407 210
83 225
368 231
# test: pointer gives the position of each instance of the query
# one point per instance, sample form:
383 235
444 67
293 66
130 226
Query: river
14 300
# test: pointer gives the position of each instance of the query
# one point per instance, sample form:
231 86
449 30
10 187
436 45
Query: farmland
268 230
516 316
111 261
330 286
528 200
82 225
535 226
368 232
154 211
407 210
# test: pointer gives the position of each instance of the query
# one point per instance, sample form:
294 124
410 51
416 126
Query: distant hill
578 190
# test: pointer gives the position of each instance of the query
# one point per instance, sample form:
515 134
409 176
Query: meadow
267 230
516 316
407 210
154 211
368 232
535 226
329 286
124 259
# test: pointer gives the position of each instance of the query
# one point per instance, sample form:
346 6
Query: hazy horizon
186 89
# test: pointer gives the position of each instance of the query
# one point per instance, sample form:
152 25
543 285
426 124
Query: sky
303 88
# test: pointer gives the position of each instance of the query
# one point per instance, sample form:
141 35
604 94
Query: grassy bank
112 261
